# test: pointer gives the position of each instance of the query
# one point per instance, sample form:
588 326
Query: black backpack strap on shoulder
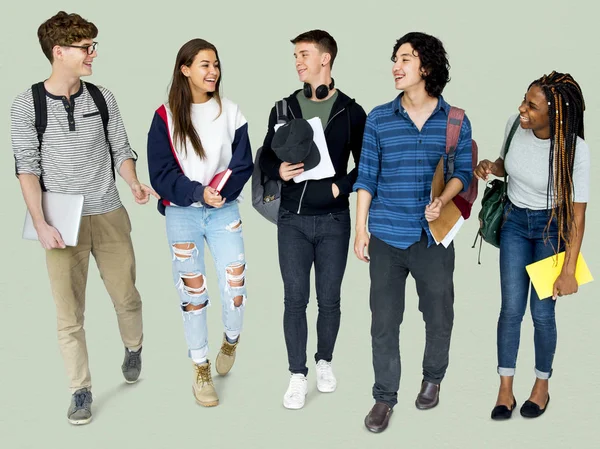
281 110
40 107
38 92
100 102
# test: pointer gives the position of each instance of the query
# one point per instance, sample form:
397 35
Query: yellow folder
544 272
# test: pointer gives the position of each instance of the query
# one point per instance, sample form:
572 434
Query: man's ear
325 59
57 52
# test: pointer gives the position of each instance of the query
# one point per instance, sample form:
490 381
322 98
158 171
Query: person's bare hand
49 236
287 170
433 209
483 169
361 243
213 198
142 192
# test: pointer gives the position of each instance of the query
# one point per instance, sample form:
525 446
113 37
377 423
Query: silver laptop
61 210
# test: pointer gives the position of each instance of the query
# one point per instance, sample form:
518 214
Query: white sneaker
295 395
326 382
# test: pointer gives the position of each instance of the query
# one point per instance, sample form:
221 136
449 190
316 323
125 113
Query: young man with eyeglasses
75 156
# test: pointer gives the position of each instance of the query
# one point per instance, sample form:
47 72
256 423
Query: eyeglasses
88 48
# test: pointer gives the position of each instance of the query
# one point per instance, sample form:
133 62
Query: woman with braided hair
548 166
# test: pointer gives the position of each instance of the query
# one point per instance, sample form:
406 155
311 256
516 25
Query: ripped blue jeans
187 230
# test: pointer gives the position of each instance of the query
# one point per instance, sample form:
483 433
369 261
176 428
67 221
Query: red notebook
218 182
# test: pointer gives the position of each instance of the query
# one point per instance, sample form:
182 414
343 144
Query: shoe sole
131 381
377 430
426 407
205 404
208 404
292 406
79 422
326 390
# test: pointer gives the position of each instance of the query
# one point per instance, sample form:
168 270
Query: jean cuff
198 354
509 372
541 375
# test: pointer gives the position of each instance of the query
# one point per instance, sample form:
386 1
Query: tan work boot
202 384
226 356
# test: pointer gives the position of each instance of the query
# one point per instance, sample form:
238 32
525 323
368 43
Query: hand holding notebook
220 179
544 273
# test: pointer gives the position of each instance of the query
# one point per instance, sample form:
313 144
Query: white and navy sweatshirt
179 175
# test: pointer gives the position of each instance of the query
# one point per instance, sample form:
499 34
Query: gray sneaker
132 365
80 411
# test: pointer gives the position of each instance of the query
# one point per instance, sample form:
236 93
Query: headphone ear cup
307 90
322 91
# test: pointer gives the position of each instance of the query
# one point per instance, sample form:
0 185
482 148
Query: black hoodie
344 135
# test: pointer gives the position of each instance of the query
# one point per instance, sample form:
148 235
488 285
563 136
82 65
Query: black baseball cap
293 143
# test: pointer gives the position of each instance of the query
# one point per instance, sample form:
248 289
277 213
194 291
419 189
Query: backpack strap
453 127
41 112
281 109
40 108
511 134
100 103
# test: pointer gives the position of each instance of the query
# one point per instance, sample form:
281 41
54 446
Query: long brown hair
565 113
180 95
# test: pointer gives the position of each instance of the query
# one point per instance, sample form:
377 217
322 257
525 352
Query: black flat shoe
532 410
502 412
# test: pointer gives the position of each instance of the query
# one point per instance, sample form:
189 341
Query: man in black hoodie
314 219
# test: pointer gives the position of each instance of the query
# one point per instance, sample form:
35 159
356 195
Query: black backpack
41 115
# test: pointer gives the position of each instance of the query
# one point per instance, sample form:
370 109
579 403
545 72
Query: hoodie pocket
319 194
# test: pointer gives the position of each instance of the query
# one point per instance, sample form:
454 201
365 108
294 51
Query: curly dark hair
64 29
433 57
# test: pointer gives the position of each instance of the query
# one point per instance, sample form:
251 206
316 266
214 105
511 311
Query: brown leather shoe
429 396
378 418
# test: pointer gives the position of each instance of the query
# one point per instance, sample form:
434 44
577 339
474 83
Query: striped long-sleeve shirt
74 157
396 167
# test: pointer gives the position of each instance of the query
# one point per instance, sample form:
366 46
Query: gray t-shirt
321 109
527 167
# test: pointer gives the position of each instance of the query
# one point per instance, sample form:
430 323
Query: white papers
451 233
325 167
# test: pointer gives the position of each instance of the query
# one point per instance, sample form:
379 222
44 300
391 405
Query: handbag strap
511 134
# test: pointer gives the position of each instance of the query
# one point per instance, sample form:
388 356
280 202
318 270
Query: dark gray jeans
305 241
432 268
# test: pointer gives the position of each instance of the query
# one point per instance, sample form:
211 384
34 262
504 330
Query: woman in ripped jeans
199 159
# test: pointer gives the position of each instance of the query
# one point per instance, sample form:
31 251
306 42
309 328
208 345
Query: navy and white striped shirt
396 167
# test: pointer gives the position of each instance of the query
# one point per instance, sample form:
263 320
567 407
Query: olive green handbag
492 204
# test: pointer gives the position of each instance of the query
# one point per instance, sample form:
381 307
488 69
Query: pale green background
495 51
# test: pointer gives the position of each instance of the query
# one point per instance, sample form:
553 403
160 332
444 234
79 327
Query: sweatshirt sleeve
166 175
241 164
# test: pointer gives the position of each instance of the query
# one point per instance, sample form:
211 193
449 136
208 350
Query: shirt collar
399 109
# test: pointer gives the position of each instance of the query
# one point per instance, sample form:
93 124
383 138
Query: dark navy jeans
304 241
